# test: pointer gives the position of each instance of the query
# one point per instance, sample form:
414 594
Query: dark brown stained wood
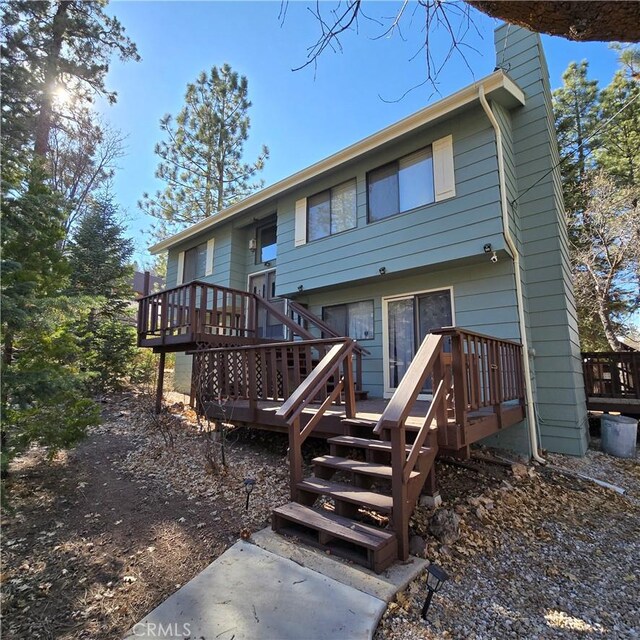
312 385
412 382
338 526
365 443
347 493
355 466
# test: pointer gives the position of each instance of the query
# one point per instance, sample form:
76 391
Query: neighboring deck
612 381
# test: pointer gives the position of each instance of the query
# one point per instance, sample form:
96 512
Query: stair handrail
340 355
410 387
322 326
294 327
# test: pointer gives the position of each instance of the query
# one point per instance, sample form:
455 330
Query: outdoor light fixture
487 248
300 288
249 483
253 245
382 270
435 577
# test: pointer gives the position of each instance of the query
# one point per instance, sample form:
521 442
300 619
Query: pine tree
100 255
619 151
575 107
201 159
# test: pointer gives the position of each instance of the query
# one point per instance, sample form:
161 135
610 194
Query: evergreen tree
101 270
201 160
100 255
619 150
575 107
599 136
54 46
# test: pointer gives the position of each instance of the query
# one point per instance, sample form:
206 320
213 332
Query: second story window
331 211
267 249
401 185
195 263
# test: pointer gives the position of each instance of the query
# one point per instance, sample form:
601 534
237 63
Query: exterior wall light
300 288
436 576
382 270
249 484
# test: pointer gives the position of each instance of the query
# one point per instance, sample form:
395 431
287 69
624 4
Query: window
195 263
401 185
267 248
354 319
332 211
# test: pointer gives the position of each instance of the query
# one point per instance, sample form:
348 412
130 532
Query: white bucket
619 434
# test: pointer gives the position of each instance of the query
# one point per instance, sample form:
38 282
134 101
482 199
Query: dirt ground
90 547
97 538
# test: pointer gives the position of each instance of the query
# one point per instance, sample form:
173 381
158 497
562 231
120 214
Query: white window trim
180 276
388 390
208 271
300 223
444 179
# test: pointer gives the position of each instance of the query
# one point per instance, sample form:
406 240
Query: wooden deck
481 423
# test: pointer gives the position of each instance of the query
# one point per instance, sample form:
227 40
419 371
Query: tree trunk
45 111
607 327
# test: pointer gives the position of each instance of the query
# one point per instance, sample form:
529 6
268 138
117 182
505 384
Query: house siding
543 242
436 234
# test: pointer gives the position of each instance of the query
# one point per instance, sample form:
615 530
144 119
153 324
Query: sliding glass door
409 319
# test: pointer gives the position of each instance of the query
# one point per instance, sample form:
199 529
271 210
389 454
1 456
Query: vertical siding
543 237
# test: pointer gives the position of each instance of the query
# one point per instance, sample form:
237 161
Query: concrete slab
384 585
249 593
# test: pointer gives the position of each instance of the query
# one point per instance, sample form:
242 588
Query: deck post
295 458
399 490
349 388
160 385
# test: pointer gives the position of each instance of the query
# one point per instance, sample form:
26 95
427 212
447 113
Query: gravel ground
544 556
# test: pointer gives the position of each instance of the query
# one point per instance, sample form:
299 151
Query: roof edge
506 91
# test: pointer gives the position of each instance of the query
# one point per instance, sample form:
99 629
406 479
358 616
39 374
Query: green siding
543 238
440 233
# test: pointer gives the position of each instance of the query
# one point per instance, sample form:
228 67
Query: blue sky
302 116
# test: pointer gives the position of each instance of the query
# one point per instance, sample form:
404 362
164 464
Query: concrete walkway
273 589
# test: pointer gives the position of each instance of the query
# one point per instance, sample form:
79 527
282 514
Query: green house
452 217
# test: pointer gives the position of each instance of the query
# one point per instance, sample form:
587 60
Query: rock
519 470
417 546
445 525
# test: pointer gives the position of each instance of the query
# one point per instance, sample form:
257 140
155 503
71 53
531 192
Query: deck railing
612 374
265 372
331 377
200 308
196 308
470 372
325 331
487 372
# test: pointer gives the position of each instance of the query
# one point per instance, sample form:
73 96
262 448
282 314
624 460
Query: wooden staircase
358 502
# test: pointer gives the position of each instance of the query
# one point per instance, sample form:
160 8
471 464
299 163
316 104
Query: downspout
532 418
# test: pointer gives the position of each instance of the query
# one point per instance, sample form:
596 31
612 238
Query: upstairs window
267 244
331 211
195 263
354 319
401 185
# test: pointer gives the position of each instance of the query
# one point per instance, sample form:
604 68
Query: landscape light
249 483
435 578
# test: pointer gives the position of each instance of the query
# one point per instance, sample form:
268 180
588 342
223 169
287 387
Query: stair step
355 466
348 493
366 443
371 547
359 422
335 525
